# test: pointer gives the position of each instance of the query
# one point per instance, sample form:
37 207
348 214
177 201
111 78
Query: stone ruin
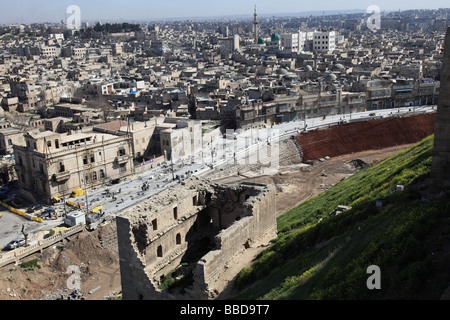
197 229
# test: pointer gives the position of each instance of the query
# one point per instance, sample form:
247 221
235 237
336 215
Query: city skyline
29 11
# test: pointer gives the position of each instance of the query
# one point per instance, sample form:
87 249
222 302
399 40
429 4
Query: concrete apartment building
289 42
26 90
293 42
52 164
100 87
324 41
51 51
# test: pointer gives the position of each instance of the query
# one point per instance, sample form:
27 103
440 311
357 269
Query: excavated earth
50 278
365 135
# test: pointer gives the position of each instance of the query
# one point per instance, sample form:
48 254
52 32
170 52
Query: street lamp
85 193
64 199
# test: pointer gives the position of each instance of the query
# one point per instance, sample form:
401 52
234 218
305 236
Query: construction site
154 239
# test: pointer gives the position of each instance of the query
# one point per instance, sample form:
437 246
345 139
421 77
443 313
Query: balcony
122 159
62 176
356 101
328 103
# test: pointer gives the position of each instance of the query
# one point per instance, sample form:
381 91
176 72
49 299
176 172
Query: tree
25 234
103 104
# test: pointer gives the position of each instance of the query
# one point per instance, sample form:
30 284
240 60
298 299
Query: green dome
261 40
276 37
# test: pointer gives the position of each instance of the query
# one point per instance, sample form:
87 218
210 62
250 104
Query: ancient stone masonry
199 226
440 168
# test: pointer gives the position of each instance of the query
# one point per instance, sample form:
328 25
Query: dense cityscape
103 119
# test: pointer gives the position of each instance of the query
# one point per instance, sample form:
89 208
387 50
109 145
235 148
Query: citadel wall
199 224
440 167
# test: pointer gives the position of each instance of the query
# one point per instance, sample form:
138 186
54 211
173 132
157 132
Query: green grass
30 265
329 259
376 182
169 283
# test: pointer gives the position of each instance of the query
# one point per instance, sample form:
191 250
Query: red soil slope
365 135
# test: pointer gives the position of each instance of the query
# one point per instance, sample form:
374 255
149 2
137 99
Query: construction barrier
73 204
19 212
97 209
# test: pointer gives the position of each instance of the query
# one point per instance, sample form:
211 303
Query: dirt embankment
365 135
81 257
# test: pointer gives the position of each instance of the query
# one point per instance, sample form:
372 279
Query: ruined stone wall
258 226
108 237
172 252
134 279
440 168
234 216
151 229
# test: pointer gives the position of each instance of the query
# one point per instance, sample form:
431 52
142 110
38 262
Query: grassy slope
329 259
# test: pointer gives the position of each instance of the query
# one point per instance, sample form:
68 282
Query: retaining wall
365 135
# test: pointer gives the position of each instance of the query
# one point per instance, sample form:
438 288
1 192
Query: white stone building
324 41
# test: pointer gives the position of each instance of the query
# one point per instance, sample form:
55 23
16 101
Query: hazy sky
28 11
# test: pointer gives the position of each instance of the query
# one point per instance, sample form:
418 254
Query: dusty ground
99 267
298 183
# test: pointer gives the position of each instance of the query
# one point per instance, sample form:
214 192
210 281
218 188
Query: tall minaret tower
255 26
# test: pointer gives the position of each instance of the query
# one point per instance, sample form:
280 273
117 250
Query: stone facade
440 168
199 225
50 164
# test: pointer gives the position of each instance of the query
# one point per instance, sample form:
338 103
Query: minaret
255 26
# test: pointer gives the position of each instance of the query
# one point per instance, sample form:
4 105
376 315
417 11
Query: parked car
16 243
46 213
4 194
